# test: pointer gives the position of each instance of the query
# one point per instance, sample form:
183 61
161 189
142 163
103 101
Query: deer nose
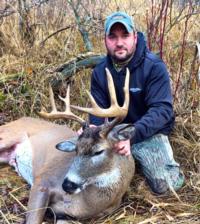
69 186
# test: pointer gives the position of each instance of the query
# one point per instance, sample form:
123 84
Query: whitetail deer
86 182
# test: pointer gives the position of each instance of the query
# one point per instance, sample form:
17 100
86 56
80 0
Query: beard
122 57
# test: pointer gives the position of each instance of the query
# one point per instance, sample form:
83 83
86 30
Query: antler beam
114 110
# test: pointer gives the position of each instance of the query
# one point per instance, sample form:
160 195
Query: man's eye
98 153
126 35
111 36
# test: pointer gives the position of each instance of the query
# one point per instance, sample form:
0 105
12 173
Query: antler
55 114
114 110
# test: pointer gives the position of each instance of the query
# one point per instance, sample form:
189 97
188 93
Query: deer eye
98 153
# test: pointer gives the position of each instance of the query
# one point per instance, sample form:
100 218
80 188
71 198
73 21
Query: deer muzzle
71 187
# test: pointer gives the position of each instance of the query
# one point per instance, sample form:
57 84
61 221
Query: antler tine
114 110
126 90
55 114
66 100
52 101
111 88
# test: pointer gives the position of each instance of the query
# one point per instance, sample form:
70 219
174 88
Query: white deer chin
104 180
108 179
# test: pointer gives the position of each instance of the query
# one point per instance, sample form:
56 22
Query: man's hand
81 129
123 147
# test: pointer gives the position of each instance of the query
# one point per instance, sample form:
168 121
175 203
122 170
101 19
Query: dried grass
24 77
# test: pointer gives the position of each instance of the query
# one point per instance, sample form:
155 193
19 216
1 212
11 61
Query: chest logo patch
135 90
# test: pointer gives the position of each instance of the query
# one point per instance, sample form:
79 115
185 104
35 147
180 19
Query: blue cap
119 17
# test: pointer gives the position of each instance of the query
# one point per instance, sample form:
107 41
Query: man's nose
119 42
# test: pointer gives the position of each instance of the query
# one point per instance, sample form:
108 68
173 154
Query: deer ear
122 132
68 145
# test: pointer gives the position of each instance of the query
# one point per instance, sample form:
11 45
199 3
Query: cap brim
128 28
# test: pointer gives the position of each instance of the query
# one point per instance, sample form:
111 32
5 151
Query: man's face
120 44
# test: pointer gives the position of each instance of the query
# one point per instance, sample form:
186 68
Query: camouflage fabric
155 157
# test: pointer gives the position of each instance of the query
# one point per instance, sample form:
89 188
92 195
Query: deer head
95 163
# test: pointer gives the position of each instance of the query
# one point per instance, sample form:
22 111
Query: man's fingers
123 147
118 148
128 153
80 131
124 151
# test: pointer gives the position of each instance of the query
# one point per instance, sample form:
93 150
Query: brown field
28 62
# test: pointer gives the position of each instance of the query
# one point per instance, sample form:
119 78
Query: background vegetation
38 36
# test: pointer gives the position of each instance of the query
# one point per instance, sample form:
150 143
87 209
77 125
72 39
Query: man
150 108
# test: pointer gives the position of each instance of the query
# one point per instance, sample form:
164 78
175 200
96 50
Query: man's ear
135 37
122 132
68 145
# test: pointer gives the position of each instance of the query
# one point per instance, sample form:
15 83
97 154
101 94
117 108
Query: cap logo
118 17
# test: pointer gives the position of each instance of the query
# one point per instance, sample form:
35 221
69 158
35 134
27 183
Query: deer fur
94 177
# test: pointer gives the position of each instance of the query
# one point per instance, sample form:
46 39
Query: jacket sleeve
158 99
100 93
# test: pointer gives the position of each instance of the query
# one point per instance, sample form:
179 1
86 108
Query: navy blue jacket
150 108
